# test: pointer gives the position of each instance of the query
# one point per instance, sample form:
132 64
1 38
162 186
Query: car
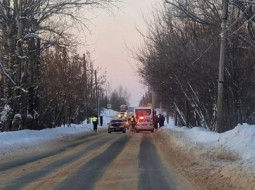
144 124
122 115
117 125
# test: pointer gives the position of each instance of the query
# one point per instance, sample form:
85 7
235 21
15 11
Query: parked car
117 125
144 124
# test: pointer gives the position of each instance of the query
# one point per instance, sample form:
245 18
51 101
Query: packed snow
240 141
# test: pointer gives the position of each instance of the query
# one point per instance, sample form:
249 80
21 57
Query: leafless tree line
42 83
68 88
118 97
180 61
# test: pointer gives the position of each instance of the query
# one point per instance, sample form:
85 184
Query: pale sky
111 34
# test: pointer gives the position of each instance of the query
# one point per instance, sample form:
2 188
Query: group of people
158 120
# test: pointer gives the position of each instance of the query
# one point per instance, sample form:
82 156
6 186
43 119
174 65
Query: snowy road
54 158
102 161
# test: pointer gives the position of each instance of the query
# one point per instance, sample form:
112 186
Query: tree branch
190 14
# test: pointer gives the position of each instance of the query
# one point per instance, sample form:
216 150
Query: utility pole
97 99
219 122
153 100
86 86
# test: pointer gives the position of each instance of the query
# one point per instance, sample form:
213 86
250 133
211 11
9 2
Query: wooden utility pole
219 122
86 86
97 99
153 100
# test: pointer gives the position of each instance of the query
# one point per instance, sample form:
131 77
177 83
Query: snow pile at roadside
20 142
197 134
108 113
25 141
36 136
239 142
208 157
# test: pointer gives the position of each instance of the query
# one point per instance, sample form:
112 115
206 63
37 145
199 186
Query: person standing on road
133 123
95 122
101 120
161 120
155 121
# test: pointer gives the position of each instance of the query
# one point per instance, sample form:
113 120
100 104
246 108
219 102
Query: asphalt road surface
116 161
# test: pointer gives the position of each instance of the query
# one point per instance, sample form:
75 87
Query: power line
226 30
247 21
205 51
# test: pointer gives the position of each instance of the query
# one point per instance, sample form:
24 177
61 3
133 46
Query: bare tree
180 62
119 97
26 28
65 81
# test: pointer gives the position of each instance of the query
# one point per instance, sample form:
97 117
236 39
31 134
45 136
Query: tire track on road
86 176
152 173
122 173
41 172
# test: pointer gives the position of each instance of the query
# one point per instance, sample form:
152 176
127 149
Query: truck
123 108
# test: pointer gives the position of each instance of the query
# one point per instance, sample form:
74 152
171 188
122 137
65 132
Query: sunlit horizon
112 36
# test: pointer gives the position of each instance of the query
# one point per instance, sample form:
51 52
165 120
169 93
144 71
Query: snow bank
237 144
241 140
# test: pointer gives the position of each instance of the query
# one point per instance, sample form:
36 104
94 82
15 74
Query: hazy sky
111 34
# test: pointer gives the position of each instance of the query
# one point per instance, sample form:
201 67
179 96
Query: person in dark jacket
155 121
101 120
161 120
95 122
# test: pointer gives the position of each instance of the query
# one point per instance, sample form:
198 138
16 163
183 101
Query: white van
144 119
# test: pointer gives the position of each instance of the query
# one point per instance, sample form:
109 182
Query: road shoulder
203 168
